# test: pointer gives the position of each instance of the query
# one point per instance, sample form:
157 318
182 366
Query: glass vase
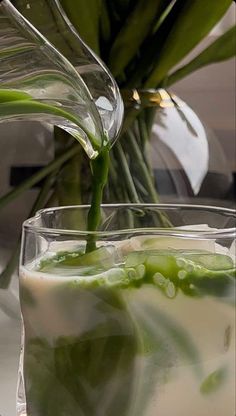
171 154
140 326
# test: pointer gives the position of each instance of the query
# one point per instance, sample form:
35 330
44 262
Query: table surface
9 359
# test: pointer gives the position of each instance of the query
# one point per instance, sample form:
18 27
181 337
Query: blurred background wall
211 92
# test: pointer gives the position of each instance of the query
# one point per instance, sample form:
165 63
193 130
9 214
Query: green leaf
85 17
132 34
223 48
194 22
42 15
213 382
119 9
105 23
150 54
121 6
13 95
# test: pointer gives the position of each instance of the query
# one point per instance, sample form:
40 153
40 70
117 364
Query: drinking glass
143 325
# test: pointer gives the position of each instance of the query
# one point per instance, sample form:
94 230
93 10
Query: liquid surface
131 332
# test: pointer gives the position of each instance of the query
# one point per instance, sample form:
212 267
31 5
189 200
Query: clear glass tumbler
143 325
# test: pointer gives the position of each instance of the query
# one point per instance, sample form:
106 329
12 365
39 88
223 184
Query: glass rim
173 232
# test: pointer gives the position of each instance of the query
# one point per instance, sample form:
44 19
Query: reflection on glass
180 129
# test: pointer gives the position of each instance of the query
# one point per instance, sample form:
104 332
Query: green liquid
14 103
100 168
118 335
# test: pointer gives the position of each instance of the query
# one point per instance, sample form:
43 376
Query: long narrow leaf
105 23
149 54
85 17
13 95
132 34
117 12
223 48
165 10
195 21
121 6
119 9
41 15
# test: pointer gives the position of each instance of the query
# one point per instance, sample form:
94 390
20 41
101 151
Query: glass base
20 397
20 400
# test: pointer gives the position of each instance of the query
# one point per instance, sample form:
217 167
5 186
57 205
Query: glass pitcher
84 101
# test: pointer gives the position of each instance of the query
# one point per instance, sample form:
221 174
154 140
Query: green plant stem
137 154
144 131
149 185
5 276
124 168
37 177
114 187
150 114
131 115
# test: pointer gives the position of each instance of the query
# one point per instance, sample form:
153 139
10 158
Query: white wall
211 93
